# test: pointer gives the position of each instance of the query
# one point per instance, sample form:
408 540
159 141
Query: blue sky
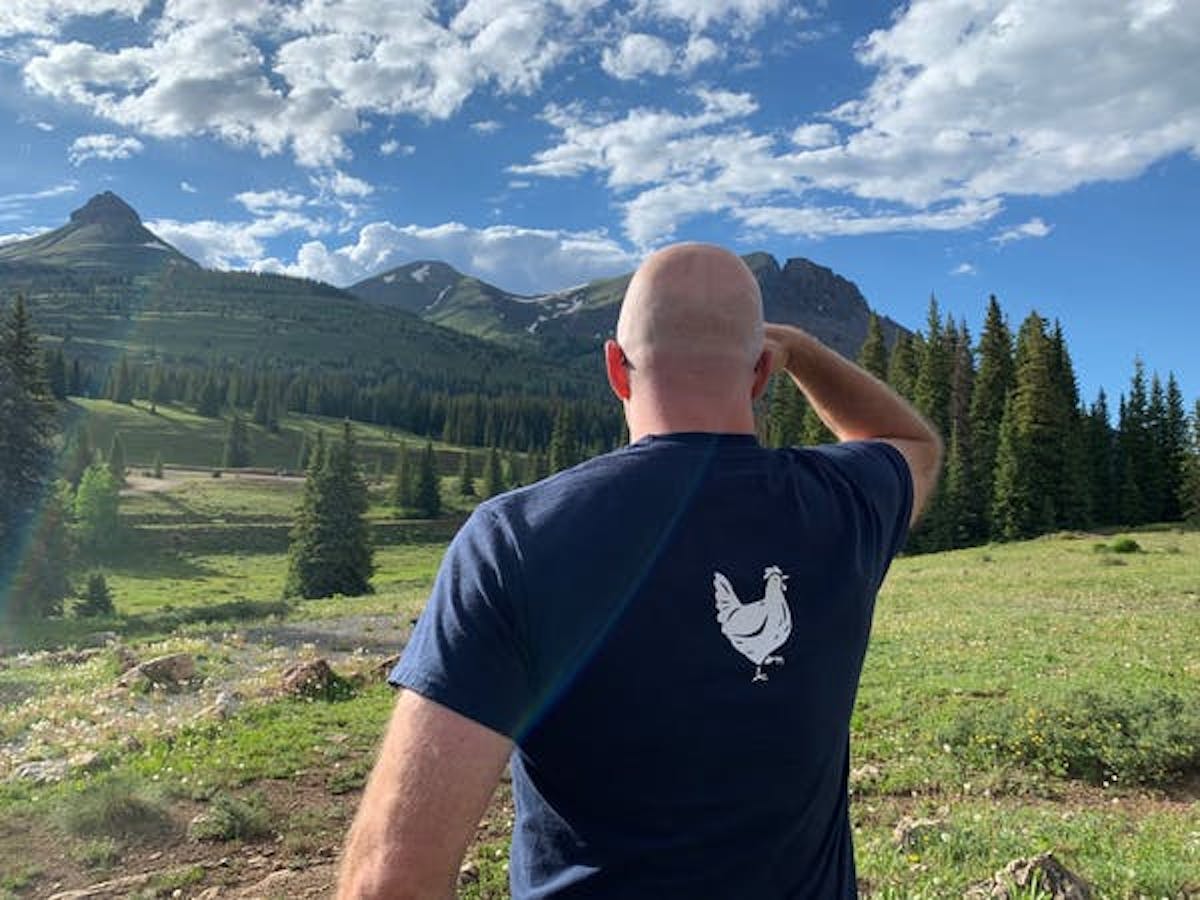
1047 151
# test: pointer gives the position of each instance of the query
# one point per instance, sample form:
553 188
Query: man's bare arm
432 781
857 406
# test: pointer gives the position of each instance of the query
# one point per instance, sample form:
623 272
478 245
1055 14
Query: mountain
104 234
104 285
573 321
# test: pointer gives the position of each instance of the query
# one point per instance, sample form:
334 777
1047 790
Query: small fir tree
564 440
493 477
873 355
427 497
403 495
157 471
96 599
236 454
116 458
466 482
41 580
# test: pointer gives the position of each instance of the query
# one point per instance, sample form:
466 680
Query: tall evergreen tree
1134 450
236 454
564 440
120 389
1028 457
427 495
403 480
993 382
466 481
1100 448
28 423
903 366
1190 502
935 366
116 458
78 456
41 581
1072 498
493 476
1173 443
330 551
55 365
873 355
785 413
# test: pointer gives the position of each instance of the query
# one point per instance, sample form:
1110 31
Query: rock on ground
1017 878
308 679
171 670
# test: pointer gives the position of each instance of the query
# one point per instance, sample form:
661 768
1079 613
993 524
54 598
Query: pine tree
960 524
1029 452
302 453
1173 441
466 482
1100 448
427 496
330 551
236 454
1190 501
812 430
873 355
157 468
903 366
55 365
564 440
1072 498
1134 449
96 599
993 382
493 477
785 413
120 389
28 423
403 482
41 580
116 458
79 455
932 390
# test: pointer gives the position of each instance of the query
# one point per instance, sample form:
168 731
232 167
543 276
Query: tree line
1024 455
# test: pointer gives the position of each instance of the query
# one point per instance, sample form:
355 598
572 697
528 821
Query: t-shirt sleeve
882 482
467 651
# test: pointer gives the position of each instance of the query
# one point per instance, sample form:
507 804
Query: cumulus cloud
525 260
187 187
263 202
700 14
486 126
971 101
964 268
1034 228
103 146
44 17
230 245
394 148
43 126
341 185
637 55
23 235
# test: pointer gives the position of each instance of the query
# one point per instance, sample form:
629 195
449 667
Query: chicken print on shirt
758 629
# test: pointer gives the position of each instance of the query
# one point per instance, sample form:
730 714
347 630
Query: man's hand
857 406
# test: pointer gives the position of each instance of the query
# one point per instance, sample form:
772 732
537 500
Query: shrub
1126 545
230 818
96 599
116 807
1140 736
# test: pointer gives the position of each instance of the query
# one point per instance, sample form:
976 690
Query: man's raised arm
857 406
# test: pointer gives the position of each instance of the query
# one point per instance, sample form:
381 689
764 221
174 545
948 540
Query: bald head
692 304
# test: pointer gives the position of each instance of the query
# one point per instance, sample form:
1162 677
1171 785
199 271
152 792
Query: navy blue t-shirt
673 634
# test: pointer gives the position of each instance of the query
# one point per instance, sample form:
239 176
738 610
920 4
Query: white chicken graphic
756 630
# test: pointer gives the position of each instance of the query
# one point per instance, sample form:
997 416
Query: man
670 635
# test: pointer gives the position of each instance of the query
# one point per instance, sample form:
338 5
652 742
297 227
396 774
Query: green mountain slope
572 322
98 286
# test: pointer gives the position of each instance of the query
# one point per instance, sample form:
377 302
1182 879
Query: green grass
1031 696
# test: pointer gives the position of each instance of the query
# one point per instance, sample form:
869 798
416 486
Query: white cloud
820 134
23 235
1034 228
103 146
43 126
819 221
263 202
486 126
526 260
339 184
964 268
699 14
187 187
228 245
393 148
44 17
700 50
636 55
9 201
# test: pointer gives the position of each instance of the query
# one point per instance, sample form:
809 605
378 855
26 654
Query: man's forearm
857 406
850 401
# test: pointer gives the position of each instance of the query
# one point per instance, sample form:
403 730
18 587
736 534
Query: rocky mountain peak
106 209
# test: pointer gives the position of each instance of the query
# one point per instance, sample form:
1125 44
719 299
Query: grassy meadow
1038 696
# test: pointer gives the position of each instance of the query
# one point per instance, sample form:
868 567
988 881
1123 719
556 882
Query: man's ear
762 374
614 366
